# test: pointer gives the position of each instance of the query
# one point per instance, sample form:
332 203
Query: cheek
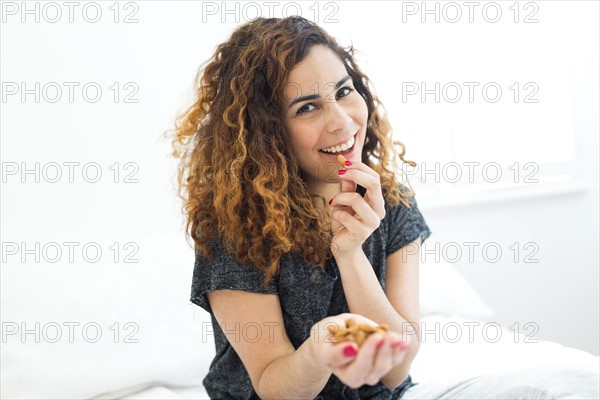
363 111
358 110
303 138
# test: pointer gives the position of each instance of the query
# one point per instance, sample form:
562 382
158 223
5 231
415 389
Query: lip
348 155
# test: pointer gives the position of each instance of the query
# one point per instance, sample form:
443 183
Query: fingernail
350 351
348 163
330 201
400 344
380 343
341 172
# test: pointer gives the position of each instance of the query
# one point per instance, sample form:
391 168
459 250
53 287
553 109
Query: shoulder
403 205
222 271
404 223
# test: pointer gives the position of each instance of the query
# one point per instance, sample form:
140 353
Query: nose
337 118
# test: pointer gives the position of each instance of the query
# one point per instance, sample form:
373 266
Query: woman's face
322 110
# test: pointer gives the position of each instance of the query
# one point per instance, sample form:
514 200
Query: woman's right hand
355 367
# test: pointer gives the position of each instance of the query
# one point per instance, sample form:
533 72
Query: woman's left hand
354 217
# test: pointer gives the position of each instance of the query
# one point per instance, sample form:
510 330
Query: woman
286 245
277 264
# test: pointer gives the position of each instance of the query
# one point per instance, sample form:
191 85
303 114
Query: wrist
343 258
310 349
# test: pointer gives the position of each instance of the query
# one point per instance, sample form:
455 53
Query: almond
355 332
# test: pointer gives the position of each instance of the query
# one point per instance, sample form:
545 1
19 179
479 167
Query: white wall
560 293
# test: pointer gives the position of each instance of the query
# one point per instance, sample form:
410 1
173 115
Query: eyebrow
316 96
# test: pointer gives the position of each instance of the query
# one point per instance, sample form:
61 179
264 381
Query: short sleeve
405 225
222 271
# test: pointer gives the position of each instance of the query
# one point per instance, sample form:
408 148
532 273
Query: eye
303 109
346 89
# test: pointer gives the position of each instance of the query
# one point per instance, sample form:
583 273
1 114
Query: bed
155 344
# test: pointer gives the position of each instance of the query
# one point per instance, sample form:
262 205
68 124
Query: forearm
294 376
358 278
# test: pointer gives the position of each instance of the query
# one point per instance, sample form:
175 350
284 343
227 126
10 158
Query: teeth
339 148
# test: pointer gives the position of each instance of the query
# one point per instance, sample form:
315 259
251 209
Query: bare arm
294 376
398 306
275 368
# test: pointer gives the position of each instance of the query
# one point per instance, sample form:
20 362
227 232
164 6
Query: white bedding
174 345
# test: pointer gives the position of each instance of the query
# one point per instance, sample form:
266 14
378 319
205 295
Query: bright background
158 56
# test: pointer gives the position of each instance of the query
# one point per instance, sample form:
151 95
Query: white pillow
444 291
174 343
485 349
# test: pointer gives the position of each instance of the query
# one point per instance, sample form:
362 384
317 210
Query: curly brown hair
237 176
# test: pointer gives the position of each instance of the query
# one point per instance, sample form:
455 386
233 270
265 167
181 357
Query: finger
342 354
360 207
363 167
383 362
398 355
399 342
374 195
361 368
347 186
356 229
361 177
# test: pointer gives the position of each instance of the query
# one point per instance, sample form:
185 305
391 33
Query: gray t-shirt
307 294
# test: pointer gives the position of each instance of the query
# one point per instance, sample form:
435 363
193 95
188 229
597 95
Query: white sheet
161 392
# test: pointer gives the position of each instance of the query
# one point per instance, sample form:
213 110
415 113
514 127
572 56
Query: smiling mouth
343 152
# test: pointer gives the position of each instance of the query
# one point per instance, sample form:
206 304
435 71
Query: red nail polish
341 172
330 201
350 351
379 344
348 163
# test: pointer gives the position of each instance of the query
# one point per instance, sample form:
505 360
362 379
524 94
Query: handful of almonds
357 333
